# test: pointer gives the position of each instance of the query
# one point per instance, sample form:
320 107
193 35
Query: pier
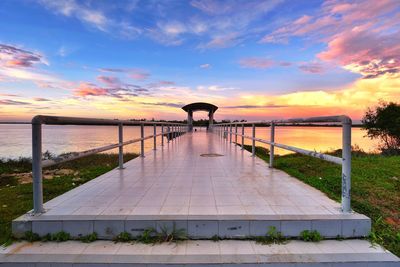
205 183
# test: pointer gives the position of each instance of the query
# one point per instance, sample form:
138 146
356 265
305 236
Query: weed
123 237
310 236
272 237
148 236
174 235
89 238
31 236
215 238
46 238
339 238
60 236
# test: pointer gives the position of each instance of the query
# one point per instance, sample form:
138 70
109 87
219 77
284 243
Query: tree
383 122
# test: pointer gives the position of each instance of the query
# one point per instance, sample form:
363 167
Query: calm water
15 140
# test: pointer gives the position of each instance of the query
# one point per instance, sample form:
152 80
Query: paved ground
177 180
105 253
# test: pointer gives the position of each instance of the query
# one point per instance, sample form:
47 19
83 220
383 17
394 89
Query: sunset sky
256 60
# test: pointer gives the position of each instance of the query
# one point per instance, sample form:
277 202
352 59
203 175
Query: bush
383 122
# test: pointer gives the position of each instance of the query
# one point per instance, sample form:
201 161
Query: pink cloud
362 36
303 19
365 52
256 63
89 89
223 40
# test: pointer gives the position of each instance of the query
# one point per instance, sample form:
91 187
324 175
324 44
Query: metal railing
173 130
225 130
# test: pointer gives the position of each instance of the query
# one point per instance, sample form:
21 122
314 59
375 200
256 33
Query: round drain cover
210 155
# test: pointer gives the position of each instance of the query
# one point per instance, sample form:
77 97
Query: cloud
216 24
255 106
161 84
256 63
41 99
10 95
365 52
21 64
9 102
115 89
164 104
112 70
134 73
109 80
205 66
361 36
223 40
89 89
312 67
13 57
214 88
93 16
139 74
83 13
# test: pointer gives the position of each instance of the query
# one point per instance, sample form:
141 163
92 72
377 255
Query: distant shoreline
246 125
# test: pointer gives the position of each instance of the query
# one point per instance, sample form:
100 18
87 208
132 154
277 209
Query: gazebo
190 108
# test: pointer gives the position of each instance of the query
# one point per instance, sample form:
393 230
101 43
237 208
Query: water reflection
15 140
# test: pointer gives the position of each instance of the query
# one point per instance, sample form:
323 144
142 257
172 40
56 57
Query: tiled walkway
178 180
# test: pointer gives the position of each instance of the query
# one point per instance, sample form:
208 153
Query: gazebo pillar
211 120
190 121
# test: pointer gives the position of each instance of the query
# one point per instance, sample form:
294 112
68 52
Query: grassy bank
375 188
16 186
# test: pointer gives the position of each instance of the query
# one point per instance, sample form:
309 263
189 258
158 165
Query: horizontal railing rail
231 129
173 130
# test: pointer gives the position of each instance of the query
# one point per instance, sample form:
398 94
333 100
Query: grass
16 199
375 187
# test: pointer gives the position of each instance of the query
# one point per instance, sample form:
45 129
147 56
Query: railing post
37 168
346 166
162 134
236 134
121 147
242 136
142 141
230 133
155 136
253 147
272 146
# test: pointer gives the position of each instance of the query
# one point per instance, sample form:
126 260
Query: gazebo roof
200 106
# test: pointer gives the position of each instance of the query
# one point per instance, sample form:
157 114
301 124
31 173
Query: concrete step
196 226
197 253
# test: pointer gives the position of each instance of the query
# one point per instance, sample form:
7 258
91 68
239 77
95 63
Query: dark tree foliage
383 122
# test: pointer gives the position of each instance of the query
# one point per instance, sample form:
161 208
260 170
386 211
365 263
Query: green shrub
310 236
89 238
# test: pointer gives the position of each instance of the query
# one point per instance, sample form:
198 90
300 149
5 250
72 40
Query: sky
255 60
